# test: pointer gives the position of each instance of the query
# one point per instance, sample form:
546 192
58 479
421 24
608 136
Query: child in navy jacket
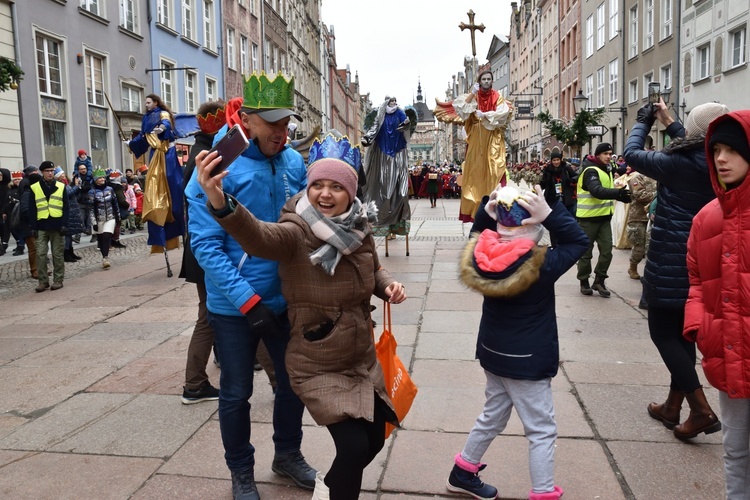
517 344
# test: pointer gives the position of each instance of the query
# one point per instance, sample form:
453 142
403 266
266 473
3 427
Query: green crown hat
261 93
99 172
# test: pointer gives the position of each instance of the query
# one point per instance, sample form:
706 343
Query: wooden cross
473 27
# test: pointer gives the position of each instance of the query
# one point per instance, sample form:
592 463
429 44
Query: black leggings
433 198
104 240
665 327
357 443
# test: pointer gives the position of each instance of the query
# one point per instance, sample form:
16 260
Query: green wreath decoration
10 74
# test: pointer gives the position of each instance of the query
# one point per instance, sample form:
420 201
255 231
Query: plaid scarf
341 235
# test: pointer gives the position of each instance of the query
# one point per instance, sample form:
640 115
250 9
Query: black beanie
46 165
555 154
602 148
730 133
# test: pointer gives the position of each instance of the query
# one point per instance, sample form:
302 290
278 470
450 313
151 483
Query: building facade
11 148
79 57
241 45
423 144
304 57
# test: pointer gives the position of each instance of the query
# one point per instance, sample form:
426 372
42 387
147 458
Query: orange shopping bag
398 383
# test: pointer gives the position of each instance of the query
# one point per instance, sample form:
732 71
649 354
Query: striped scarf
341 235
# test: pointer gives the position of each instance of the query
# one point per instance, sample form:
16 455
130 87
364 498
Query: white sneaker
105 263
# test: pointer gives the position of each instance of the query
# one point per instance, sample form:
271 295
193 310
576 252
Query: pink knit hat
333 169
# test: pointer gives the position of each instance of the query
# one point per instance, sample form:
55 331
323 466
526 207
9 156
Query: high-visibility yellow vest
588 206
52 208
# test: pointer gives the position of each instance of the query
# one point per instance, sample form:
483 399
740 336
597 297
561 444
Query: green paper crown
99 172
262 93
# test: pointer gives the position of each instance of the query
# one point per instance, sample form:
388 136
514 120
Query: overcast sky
393 44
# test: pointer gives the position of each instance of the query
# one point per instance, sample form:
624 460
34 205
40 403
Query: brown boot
668 413
633 271
701 419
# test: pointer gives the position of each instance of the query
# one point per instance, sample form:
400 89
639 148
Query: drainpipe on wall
17 55
677 21
623 97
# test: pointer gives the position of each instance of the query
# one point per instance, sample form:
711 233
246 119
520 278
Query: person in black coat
559 184
684 187
5 206
197 388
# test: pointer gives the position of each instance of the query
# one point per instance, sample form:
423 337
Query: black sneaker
207 392
17 252
243 486
294 466
462 481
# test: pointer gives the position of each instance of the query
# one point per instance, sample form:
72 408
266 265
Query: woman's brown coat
335 377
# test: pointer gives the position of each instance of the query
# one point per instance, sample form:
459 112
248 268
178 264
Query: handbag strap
387 316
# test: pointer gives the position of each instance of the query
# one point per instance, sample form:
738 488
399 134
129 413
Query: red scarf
487 100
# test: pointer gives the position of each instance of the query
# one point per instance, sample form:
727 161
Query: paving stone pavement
92 376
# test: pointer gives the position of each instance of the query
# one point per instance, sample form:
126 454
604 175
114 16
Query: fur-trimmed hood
684 144
516 280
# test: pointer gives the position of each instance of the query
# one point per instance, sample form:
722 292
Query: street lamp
665 93
580 102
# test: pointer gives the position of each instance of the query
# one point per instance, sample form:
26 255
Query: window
267 55
131 98
210 89
94 80
589 91
164 12
208 25
253 10
53 133
99 150
737 47
243 55
613 97
167 86
614 19
589 36
665 76
188 31
48 66
647 78
231 58
633 35
255 58
93 6
633 91
190 79
648 30
600 27
666 18
703 66
599 87
128 16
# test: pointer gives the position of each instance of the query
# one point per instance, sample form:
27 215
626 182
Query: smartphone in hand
229 147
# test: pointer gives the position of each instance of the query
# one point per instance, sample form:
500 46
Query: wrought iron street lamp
580 102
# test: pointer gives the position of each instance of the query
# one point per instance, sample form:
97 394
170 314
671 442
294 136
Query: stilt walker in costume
163 205
485 115
386 167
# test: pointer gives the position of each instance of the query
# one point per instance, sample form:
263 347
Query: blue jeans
236 343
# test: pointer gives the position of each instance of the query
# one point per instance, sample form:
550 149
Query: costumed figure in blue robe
386 169
163 205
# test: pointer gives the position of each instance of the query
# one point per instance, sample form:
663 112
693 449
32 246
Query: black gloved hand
95 227
64 231
646 115
623 195
261 316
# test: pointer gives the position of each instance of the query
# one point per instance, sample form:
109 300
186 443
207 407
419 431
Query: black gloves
623 195
64 231
646 115
261 316
95 227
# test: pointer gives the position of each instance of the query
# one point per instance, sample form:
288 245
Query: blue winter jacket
684 187
263 185
518 330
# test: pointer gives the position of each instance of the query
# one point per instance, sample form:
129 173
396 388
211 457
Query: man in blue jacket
243 294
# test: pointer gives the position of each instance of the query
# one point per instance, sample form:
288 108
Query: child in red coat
138 206
717 313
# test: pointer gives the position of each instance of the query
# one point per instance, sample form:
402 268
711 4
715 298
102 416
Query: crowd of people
288 277
46 212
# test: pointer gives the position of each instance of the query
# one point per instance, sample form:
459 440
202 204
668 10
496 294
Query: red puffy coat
717 312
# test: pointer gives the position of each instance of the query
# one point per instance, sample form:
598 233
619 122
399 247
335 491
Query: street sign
599 130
